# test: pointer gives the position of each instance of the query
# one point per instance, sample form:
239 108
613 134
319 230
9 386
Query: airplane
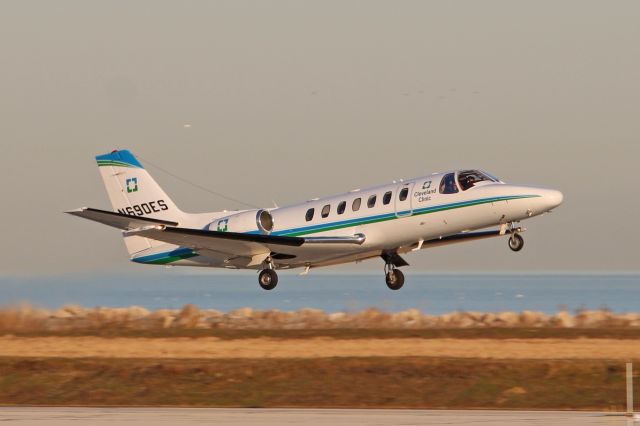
385 221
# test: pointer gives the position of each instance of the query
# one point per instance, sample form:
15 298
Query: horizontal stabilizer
118 220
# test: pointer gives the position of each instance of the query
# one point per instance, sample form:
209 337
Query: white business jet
384 221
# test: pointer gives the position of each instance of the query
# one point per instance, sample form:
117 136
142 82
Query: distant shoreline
73 319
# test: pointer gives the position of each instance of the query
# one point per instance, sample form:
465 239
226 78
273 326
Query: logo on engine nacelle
223 225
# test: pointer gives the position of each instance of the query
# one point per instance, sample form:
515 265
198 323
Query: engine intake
264 221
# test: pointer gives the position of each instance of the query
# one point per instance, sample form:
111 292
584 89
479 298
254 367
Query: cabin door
403 199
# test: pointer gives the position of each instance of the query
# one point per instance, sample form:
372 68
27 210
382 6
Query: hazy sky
288 100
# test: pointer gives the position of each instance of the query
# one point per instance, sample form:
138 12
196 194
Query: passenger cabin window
371 202
309 215
403 194
342 206
325 210
387 198
448 184
469 178
356 204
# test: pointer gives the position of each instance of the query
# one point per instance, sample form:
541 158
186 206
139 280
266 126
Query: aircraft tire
268 279
395 279
516 242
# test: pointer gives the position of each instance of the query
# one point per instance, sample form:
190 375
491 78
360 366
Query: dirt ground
319 347
373 382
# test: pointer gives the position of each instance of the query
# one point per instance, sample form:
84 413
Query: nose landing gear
516 242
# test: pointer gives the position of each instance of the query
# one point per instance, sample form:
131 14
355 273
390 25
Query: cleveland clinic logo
132 185
223 225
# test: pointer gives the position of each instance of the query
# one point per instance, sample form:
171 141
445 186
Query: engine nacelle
247 221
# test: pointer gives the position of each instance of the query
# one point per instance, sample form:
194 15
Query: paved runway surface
315 417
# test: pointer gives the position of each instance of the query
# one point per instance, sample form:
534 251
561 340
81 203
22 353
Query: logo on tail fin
132 185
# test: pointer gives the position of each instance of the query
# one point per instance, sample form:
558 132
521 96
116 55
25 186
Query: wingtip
74 211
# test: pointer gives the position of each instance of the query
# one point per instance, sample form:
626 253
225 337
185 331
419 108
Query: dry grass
309 358
192 321
317 347
406 382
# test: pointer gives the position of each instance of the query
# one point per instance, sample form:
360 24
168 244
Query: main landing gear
394 278
268 279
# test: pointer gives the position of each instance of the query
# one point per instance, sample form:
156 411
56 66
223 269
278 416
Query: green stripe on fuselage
363 221
392 216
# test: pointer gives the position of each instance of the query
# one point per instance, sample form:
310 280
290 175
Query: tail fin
133 191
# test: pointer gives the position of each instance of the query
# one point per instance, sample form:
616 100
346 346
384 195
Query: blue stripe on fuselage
401 214
355 221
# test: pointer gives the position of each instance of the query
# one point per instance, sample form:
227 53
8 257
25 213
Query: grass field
309 358
347 333
382 382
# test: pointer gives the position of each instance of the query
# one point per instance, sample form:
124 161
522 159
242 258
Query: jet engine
246 221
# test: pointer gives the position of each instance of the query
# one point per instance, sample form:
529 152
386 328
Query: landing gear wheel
268 279
516 242
395 279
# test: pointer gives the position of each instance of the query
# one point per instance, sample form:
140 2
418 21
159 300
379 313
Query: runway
313 417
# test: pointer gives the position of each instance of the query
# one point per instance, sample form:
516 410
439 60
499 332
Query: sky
289 100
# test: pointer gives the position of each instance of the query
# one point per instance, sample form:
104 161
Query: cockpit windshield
470 178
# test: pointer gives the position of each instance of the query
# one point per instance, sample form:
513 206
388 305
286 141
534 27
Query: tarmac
27 416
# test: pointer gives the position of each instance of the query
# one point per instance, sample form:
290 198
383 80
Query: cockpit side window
448 184
469 178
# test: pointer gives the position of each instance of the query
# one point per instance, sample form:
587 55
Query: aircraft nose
552 198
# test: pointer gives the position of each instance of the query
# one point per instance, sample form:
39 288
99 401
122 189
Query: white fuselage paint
399 226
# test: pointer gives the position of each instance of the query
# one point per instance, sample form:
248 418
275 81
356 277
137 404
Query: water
435 294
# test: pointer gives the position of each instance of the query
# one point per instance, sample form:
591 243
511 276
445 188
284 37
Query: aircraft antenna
196 185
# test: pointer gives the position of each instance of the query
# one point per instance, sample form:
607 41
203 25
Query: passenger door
403 200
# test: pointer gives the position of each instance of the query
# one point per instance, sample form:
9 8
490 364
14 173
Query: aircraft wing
230 243
201 240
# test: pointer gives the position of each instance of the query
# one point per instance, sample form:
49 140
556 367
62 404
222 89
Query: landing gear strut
394 277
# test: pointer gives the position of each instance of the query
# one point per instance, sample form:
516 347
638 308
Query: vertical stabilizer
133 191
